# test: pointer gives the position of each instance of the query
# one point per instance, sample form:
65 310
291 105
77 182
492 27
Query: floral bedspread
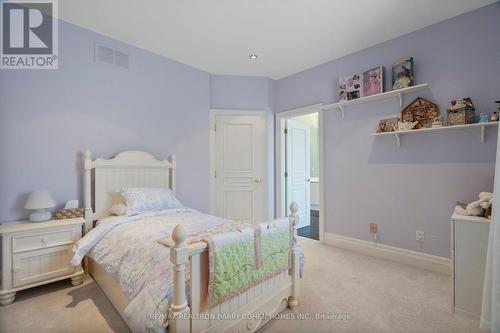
128 249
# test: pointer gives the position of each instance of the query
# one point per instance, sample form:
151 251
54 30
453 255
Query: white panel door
240 152
298 169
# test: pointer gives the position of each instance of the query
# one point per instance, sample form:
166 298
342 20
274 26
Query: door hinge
215 127
286 174
286 131
215 174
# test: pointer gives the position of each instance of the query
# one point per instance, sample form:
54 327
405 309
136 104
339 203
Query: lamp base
40 215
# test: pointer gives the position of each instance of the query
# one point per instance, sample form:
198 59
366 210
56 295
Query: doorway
299 167
238 163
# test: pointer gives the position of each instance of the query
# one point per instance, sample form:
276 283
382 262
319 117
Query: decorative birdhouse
461 112
422 111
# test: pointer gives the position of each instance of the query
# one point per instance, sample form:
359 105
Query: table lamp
39 201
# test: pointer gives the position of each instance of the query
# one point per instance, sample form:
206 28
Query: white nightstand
37 253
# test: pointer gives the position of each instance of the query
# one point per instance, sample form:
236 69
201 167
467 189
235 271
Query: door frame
234 112
280 161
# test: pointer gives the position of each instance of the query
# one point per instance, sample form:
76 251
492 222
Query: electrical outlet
373 228
420 236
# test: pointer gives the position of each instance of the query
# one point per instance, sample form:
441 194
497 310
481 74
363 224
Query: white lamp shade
39 199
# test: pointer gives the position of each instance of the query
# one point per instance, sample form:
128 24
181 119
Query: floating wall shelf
389 94
397 134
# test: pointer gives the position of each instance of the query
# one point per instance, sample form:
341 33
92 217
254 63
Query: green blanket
239 260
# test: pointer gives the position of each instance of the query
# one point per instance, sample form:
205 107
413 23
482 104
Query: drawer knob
45 240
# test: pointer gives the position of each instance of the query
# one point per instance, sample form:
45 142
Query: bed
188 308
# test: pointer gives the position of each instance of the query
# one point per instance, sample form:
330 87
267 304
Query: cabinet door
35 266
471 244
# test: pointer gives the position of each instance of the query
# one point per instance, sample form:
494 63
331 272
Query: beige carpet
378 295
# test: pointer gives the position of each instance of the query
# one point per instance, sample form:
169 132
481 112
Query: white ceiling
288 35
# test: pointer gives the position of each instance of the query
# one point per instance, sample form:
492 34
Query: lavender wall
249 93
49 117
414 187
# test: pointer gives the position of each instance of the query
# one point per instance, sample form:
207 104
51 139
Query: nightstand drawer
35 266
41 240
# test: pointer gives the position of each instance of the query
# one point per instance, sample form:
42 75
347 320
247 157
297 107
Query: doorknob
257 180
308 179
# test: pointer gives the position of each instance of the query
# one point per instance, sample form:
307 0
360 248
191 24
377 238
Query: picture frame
373 81
402 73
350 87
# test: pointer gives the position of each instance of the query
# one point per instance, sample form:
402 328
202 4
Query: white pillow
118 210
148 199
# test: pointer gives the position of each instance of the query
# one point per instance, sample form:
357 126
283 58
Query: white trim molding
412 258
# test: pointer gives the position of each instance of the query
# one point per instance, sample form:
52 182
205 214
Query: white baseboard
408 257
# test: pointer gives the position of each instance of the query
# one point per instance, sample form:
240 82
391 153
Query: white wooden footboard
244 313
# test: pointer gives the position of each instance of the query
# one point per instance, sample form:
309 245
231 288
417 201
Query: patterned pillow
118 210
148 199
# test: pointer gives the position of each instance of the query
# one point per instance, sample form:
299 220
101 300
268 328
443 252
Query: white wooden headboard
127 169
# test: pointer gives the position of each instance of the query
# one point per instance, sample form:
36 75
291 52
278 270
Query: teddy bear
476 208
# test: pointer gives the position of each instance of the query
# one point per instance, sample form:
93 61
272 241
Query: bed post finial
173 161
293 300
179 236
179 256
294 208
87 189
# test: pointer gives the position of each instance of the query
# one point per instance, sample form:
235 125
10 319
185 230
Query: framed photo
373 81
388 125
350 87
402 73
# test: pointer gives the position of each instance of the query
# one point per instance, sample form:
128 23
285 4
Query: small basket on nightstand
69 213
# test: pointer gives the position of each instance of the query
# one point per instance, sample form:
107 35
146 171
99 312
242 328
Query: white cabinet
37 253
469 248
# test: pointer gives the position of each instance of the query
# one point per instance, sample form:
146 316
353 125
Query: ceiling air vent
110 56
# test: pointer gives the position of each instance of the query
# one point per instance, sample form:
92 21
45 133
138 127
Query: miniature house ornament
421 111
494 116
388 125
461 112
438 122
